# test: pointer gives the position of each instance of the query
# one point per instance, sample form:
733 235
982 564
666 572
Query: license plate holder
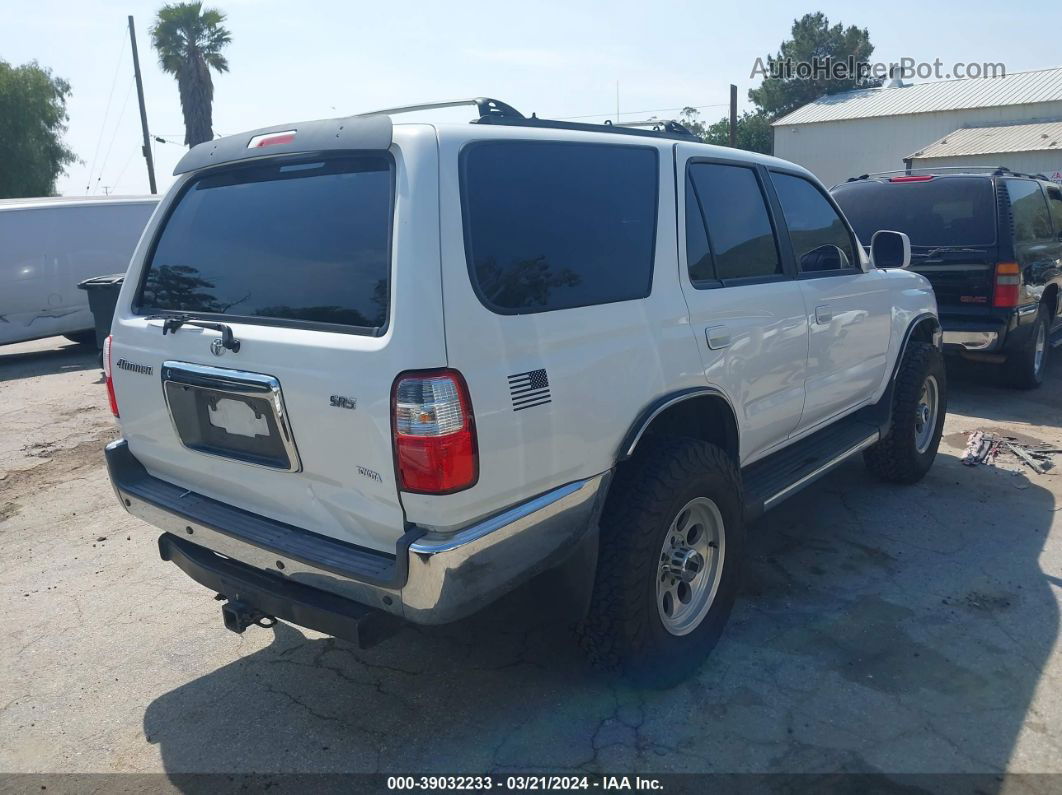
230 414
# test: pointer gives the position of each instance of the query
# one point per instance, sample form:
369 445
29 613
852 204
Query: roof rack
494 111
486 106
993 171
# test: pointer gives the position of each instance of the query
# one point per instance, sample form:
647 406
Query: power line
114 135
106 113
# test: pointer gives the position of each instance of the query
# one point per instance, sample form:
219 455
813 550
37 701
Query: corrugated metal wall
837 150
1046 163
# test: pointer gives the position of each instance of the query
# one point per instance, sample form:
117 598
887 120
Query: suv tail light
1008 280
107 375
434 432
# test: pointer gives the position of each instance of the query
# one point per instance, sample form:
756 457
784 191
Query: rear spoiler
366 133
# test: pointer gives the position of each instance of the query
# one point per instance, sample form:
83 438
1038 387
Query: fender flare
919 319
659 406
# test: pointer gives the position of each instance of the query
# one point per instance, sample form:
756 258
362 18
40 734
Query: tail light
434 432
910 179
107 375
1008 280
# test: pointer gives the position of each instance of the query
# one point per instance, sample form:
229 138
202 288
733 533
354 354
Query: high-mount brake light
434 432
271 139
910 179
1008 282
107 375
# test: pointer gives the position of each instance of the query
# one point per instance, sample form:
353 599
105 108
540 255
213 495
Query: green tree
754 132
814 41
32 122
189 40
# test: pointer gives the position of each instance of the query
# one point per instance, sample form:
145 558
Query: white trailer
48 245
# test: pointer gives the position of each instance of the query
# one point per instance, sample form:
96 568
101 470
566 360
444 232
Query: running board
780 475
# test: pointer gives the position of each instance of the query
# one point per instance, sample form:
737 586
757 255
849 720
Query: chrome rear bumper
431 579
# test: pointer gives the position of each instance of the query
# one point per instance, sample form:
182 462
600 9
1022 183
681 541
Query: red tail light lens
434 432
107 375
1008 282
910 179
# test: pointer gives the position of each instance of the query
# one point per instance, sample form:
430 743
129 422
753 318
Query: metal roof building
878 129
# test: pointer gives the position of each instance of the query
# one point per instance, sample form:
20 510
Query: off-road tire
623 630
1020 370
896 458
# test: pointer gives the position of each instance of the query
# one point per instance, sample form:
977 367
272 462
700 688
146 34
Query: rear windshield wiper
170 323
933 252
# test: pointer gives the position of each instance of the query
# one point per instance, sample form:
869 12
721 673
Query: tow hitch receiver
239 615
253 596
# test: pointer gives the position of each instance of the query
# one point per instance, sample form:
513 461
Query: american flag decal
529 389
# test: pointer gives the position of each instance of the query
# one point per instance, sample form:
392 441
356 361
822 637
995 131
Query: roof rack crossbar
486 106
672 130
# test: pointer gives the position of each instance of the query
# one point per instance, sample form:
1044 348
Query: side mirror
890 250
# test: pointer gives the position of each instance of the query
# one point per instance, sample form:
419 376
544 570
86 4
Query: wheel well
926 330
705 417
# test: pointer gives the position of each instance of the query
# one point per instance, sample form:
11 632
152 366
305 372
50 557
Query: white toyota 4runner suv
368 371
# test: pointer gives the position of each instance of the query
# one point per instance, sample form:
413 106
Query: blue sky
302 59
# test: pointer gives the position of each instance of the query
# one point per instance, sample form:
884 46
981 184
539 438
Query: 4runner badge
133 367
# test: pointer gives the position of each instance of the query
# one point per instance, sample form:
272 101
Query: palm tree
189 40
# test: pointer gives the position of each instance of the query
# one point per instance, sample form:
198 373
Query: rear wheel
919 405
668 569
1025 368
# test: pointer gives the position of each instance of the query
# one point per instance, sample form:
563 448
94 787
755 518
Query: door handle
823 314
718 337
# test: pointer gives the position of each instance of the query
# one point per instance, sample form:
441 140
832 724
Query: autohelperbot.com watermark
849 68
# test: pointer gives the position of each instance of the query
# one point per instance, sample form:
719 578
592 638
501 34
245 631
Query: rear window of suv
942 211
558 225
304 243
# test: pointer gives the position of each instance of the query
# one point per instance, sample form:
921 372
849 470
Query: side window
821 241
1029 209
558 225
698 255
1054 202
740 235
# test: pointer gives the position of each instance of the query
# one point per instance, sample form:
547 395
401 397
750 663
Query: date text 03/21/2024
524 783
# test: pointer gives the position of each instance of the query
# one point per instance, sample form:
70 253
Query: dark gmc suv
991 244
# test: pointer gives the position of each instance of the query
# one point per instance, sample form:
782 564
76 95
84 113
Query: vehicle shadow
879 629
32 360
981 390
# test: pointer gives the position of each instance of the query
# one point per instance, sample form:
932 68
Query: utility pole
143 111
733 115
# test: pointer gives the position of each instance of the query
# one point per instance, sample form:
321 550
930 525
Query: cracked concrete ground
879 629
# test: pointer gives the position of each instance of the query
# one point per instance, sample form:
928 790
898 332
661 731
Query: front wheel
668 568
919 405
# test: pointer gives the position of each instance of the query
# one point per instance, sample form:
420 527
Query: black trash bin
102 296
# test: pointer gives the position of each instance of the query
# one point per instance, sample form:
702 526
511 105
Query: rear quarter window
558 225
1029 210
